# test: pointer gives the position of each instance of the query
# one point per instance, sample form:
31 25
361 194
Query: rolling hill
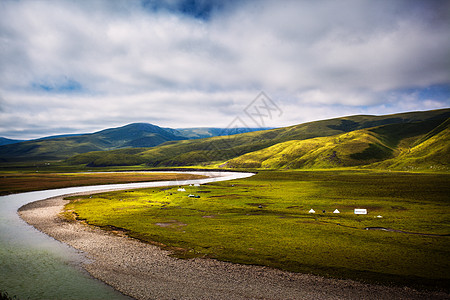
129 136
430 152
132 135
397 145
348 141
5 141
206 132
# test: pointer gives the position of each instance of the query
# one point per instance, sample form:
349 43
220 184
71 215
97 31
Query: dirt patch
171 223
406 232
225 196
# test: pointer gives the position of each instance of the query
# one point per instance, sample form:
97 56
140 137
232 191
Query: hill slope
129 136
206 132
132 135
322 152
393 144
431 152
5 141
220 149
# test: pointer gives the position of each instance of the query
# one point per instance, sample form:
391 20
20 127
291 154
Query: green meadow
19 182
265 220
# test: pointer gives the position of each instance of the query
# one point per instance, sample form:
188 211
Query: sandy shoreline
145 271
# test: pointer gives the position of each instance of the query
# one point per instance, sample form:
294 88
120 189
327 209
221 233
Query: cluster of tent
336 211
357 211
184 190
190 195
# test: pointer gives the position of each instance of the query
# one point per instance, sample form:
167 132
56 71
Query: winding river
36 266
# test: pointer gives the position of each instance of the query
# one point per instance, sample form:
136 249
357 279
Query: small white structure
312 211
360 211
182 190
379 216
196 184
336 211
191 196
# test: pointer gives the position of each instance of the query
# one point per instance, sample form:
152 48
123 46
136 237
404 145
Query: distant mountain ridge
129 136
6 141
340 142
206 132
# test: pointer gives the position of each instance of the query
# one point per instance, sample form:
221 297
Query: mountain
204 132
393 144
53 148
5 141
430 152
369 139
58 136
129 136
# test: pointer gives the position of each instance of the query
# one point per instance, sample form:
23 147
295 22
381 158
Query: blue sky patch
64 86
199 9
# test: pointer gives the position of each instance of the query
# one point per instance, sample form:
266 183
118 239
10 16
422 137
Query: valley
395 166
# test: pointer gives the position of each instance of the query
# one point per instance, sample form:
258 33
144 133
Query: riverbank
144 271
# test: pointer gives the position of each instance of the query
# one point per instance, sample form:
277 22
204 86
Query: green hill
392 143
361 147
430 152
206 132
349 149
5 141
132 135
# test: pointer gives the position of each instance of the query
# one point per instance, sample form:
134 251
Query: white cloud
93 64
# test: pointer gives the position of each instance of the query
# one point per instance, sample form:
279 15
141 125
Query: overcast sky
81 66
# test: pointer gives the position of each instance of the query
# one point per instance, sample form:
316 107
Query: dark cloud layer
87 65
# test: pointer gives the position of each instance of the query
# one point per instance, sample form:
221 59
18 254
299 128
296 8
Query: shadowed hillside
358 148
349 149
399 144
130 136
5 141
431 152
133 135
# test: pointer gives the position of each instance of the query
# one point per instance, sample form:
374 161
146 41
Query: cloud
93 64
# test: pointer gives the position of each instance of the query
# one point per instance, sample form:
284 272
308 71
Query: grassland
414 146
376 138
264 220
349 149
14 182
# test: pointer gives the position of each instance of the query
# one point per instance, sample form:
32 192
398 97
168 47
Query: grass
387 132
419 146
317 145
13 182
359 147
264 220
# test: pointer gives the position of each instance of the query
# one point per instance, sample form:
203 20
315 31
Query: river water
36 266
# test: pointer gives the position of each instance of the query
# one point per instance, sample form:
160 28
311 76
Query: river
36 266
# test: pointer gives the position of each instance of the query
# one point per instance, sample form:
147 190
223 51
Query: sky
81 66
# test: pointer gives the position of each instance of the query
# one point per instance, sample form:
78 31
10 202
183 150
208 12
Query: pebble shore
144 271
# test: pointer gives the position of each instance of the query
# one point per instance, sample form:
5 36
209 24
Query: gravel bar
145 271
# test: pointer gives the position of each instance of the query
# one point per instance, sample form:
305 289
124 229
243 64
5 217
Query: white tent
360 211
336 211
312 211
181 190
196 184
